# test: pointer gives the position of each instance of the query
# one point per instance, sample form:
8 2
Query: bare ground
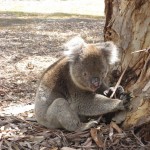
28 45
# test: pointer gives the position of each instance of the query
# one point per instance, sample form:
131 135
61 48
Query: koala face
89 63
89 69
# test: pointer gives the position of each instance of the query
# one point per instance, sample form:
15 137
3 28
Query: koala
72 87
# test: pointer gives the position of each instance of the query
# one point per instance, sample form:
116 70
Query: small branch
137 139
118 82
142 50
142 75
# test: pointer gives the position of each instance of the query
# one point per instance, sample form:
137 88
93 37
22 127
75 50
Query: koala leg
60 115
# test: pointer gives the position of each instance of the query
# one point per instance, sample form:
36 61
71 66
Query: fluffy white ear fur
110 51
113 50
74 46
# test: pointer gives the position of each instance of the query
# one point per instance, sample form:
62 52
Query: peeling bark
128 25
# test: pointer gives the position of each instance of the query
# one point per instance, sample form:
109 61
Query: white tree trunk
128 25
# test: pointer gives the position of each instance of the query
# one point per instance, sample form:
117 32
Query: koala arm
97 104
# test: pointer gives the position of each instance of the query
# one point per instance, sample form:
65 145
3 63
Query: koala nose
95 82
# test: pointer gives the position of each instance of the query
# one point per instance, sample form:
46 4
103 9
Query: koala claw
118 92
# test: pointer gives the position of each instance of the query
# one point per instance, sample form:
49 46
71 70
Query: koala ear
110 51
74 47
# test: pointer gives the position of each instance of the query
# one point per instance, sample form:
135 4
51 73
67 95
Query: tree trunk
128 25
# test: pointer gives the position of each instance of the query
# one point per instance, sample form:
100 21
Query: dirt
28 45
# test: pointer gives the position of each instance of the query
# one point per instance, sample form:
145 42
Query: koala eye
94 62
84 74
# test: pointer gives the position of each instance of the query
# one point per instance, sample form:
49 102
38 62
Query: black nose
95 81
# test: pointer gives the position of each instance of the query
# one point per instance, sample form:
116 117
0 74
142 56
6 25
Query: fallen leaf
15 147
88 142
96 138
116 127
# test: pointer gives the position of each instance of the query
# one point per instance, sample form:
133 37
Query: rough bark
128 25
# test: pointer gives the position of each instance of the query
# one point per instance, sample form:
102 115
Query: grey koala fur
71 88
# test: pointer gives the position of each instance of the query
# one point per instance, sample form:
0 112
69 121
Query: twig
142 50
144 69
119 81
137 138
76 146
24 121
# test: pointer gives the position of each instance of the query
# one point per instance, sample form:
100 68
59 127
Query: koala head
89 63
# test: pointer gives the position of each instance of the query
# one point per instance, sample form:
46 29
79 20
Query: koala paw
118 92
126 99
